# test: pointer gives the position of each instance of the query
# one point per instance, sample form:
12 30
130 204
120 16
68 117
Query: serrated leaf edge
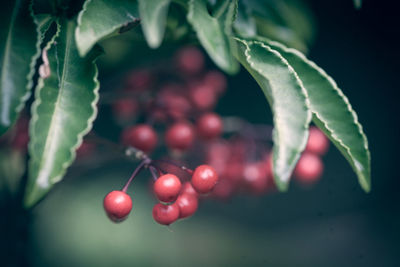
282 180
312 64
80 135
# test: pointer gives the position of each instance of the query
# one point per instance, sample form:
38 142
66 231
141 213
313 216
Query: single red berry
215 80
203 97
204 179
188 204
167 187
180 136
125 109
255 177
117 205
138 80
209 125
187 188
165 214
141 136
317 143
190 60
309 168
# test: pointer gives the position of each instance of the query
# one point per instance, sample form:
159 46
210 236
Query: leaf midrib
49 141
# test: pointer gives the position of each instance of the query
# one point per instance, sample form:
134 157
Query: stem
153 171
135 172
182 167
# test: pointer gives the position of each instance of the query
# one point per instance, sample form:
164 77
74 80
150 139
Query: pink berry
216 80
309 168
190 60
209 125
180 136
317 142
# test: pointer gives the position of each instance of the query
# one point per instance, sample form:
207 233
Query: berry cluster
172 108
177 200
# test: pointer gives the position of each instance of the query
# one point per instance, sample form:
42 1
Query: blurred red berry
138 80
216 80
165 214
317 143
224 189
209 125
180 136
117 205
141 136
190 60
203 97
309 168
204 179
125 109
188 204
167 187
255 177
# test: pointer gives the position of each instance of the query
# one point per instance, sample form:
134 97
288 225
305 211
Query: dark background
334 223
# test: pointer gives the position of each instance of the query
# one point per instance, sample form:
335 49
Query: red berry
141 136
167 187
125 109
204 179
188 204
256 177
317 142
190 60
117 205
180 136
138 80
209 125
224 189
165 214
174 102
187 188
203 97
216 80
309 168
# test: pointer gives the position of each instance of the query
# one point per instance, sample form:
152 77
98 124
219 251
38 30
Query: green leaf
63 111
153 15
332 113
245 24
357 4
213 33
99 19
19 49
288 100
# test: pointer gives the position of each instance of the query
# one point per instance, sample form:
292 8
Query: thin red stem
135 172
